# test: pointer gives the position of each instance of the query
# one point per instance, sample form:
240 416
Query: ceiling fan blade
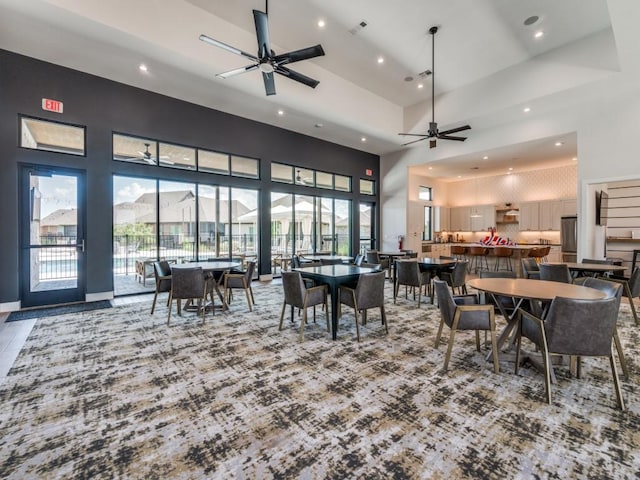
455 130
298 55
228 48
414 141
237 71
269 83
262 32
298 77
449 137
415 134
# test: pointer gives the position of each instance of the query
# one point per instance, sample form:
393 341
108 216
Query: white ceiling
481 44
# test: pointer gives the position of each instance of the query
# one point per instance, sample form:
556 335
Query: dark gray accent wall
104 107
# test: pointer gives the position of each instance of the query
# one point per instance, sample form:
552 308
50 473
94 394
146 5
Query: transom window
52 136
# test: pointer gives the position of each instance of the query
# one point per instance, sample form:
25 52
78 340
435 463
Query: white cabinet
441 219
482 217
529 216
460 219
568 207
550 212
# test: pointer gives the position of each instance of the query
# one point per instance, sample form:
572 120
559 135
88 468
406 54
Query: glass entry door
52 237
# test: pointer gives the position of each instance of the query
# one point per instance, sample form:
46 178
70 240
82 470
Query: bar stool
503 254
476 255
537 254
459 252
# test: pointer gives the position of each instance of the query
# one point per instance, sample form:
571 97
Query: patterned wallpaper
535 185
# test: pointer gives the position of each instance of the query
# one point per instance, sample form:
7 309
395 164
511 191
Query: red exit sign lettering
52 105
368 172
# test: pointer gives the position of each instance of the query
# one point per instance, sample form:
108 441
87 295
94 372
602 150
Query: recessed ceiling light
574 159
430 168
321 23
143 68
539 34
510 169
363 139
280 112
459 176
559 144
531 20
420 85
380 60
485 158
526 109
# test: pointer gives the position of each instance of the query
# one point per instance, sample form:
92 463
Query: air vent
425 74
358 27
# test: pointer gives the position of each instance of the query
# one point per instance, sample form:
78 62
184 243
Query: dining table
578 268
319 258
333 276
521 289
432 265
211 267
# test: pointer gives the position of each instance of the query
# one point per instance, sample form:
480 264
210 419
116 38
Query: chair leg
439 334
246 292
170 305
616 381
355 314
153 305
395 292
364 316
284 307
449 348
478 340
325 308
518 344
623 362
383 314
494 346
253 301
546 360
303 321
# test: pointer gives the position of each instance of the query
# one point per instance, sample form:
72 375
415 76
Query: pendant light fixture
475 213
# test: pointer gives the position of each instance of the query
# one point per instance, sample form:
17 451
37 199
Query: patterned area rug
118 393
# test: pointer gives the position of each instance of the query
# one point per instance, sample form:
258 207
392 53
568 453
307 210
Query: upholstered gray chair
456 278
373 257
188 284
330 261
508 304
572 327
611 289
357 261
464 313
408 274
530 268
240 280
555 272
369 293
631 290
162 273
296 294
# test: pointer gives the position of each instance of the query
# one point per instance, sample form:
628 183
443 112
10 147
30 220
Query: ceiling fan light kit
433 134
266 60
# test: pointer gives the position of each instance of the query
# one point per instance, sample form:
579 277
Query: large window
308 177
367 238
427 231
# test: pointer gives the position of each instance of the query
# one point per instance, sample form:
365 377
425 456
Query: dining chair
572 327
456 278
555 272
162 273
408 274
612 290
330 261
359 258
530 268
188 284
372 256
297 295
368 293
631 289
464 312
240 280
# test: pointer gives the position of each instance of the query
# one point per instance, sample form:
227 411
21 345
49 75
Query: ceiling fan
148 157
433 132
267 61
303 180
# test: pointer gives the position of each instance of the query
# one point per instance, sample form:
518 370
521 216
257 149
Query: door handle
81 246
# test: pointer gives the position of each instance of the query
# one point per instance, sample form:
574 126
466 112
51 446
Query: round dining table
521 289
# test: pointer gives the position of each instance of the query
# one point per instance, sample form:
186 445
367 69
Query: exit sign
52 105
368 172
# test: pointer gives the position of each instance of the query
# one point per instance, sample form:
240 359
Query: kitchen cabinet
460 218
550 212
529 216
569 207
486 219
441 221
